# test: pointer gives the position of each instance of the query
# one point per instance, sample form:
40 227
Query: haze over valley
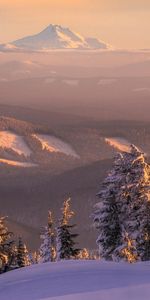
68 104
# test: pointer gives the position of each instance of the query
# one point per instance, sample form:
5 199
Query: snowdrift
76 280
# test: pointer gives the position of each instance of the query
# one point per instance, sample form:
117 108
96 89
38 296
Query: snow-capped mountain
54 37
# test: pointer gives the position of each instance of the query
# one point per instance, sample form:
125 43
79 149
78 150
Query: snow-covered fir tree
107 213
138 190
134 208
65 238
124 209
34 257
84 254
23 259
48 248
7 248
126 251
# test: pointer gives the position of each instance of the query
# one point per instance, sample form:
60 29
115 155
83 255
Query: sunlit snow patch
15 142
14 163
53 144
118 143
107 81
50 80
142 89
3 80
71 82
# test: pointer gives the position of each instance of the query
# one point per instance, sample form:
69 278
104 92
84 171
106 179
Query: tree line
57 243
121 215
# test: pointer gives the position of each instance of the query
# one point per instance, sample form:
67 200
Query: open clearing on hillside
14 163
10 140
53 144
119 143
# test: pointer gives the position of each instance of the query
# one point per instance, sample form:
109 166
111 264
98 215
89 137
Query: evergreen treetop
22 254
123 213
65 238
47 249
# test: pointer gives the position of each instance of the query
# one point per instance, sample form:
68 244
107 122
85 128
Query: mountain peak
55 36
53 27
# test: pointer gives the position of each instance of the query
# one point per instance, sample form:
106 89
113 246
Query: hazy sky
122 23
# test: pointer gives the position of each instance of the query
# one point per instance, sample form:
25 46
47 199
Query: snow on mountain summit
57 37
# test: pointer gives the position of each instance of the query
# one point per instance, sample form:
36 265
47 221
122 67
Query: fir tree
124 211
65 238
138 190
7 249
84 254
126 251
106 216
22 254
47 249
35 257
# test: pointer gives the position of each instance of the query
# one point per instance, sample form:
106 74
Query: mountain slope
54 37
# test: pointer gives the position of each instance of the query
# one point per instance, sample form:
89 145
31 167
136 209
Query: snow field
77 280
15 142
53 144
106 81
118 143
14 163
71 82
10 140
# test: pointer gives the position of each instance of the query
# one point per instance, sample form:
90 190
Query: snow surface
50 80
14 163
77 280
53 144
71 82
107 81
15 142
142 89
118 143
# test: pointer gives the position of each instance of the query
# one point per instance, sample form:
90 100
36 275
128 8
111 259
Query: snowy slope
15 163
15 142
118 143
77 280
53 144
12 141
54 37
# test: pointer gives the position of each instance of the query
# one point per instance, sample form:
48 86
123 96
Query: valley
46 157
64 114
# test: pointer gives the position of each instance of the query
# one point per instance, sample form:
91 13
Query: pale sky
121 23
